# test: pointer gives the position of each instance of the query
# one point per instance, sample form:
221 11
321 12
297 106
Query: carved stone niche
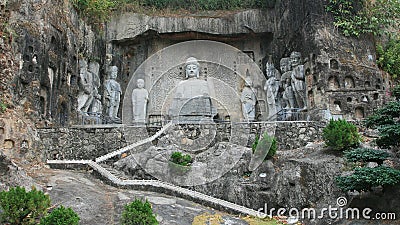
1 130
365 99
337 106
333 83
8 143
359 112
379 85
333 64
375 96
349 82
310 96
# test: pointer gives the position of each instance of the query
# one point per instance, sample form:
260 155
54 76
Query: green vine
99 11
356 17
389 57
95 11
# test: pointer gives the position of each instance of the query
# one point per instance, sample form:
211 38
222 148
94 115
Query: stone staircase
117 179
159 186
134 145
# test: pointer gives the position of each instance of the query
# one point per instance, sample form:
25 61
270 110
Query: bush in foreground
61 216
181 159
366 155
138 213
341 135
20 207
363 179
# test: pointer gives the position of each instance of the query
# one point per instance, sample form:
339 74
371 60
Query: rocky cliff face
49 38
42 41
40 45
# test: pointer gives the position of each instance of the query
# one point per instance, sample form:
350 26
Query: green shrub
341 135
389 56
180 159
273 148
61 216
255 143
396 90
386 120
20 207
363 179
267 142
355 17
366 155
138 213
3 106
208 4
95 11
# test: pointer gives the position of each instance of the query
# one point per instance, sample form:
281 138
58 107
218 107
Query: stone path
134 145
99 204
158 186
153 185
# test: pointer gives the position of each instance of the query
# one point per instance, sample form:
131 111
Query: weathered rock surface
130 25
99 204
12 175
294 179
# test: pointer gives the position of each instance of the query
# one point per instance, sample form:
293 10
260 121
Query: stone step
134 145
167 187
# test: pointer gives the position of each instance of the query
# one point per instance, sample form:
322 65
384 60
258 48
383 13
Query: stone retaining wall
291 135
91 141
81 143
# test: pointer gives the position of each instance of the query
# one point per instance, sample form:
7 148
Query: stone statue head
82 67
285 65
140 83
113 72
295 59
270 69
192 67
94 67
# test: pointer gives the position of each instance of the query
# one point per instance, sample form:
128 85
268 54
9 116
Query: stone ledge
129 26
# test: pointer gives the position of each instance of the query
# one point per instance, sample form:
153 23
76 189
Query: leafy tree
389 58
20 207
363 179
138 213
396 92
366 155
61 216
95 11
356 17
387 121
341 135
